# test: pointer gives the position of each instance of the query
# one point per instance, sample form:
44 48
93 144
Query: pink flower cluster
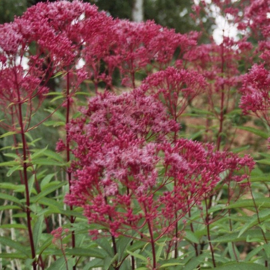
59 234
128 173
175 88
256 91
65 33
255 88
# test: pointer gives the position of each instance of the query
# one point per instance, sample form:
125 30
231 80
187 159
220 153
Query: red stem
151 238
221 118
230 221
207 219
27 196
192 229
152 244
72 219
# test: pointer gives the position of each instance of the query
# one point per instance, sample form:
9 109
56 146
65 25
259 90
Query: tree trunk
137 11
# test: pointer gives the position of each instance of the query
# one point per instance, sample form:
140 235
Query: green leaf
80 237
138 245
10 163
159 250
14 226
49 189
201 112
11 155
53 94
235 111
240 149
53 155
56 113
38 153
136 255
241 266
76 115
260 178
50 202
32 143
82 94
194 136
38 230
250 234
122 245
194 262
255 131
54 123
12 255
266 155
267 249
170 264
45 244
260 203
263 215
46 180
263 161
254 252
94 263
8 207
72 213
16 188
190 236
105 245
233 250
29 136
58 74
87 252
109 261
61 264
7 197
8 134
15 245
47 162
13 169
31 183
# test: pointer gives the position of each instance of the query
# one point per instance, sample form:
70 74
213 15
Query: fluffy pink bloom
255 91
60 146
175 88
110 114
127 172
257 12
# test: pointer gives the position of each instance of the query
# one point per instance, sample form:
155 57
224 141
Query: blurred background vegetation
169 13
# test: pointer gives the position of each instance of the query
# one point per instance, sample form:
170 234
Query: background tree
168 13
137 11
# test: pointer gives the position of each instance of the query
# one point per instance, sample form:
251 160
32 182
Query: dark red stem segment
27 195
152 245
72 219
207 219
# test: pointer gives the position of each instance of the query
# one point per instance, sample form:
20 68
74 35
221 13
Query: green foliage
170 13
11 8
118 9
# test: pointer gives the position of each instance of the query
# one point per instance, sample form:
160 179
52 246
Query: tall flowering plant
129 176
149 195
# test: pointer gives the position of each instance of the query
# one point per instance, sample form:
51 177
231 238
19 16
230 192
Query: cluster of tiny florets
126 169
127 172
